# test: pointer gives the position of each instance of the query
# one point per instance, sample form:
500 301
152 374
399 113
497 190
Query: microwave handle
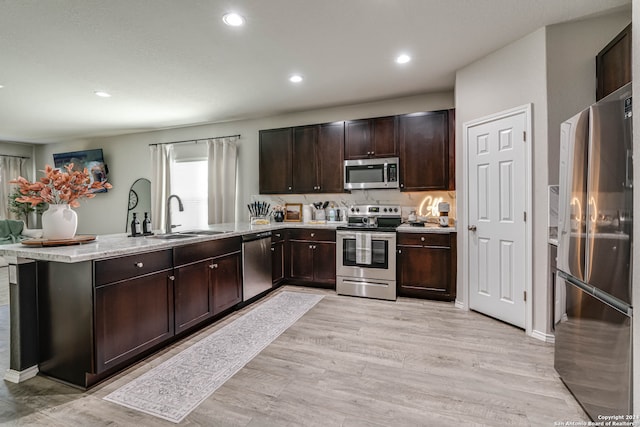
386 173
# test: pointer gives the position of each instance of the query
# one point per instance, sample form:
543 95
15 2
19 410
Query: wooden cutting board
76 240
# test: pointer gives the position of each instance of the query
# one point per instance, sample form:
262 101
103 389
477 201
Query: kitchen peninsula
82 313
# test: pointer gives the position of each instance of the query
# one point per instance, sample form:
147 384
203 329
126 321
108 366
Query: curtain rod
19 157
194 140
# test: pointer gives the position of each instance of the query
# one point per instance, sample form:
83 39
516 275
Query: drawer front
202 250
278 236
313 234
424 239
121 268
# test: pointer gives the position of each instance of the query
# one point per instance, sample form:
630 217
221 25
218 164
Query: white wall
128 155
571 70
510 77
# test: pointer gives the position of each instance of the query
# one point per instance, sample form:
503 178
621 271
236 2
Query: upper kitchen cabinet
318 158
303 159
370 138
427 151
613 64
276 147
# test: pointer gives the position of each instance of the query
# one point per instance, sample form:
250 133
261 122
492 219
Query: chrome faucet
169 226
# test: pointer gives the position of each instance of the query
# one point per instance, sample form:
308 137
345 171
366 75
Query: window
189 181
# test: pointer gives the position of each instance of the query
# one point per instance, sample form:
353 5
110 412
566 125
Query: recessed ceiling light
233 19
1 86
102 94
296 78
403 59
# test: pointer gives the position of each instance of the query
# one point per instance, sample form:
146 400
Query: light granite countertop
113 245
428 228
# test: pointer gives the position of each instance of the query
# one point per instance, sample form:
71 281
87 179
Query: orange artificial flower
58 187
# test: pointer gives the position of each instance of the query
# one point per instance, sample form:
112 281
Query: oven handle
374 235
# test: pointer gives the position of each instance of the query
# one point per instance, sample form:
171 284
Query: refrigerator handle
629 170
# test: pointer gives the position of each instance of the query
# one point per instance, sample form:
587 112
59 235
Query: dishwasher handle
256 236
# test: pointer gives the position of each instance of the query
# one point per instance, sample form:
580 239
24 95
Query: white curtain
10 168
222 155
161 160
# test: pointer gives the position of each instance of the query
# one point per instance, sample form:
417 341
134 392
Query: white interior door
496 217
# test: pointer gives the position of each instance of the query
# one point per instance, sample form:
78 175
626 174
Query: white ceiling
173 62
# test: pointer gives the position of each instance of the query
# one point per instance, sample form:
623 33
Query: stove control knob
385 209
395 209
357 209
353 210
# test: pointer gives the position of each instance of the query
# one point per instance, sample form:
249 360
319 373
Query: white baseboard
550 338
21 376
460 305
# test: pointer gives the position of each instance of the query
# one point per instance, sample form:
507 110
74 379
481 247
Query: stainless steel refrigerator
593 294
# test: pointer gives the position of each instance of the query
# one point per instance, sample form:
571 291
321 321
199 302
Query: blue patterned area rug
176 387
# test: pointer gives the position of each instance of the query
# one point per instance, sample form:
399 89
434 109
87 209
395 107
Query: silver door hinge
525 216
525 296
524 136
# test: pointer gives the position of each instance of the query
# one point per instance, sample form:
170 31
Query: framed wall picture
293 212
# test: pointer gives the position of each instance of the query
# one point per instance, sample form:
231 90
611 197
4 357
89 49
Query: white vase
59 222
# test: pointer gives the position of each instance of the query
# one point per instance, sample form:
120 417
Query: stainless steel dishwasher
256 264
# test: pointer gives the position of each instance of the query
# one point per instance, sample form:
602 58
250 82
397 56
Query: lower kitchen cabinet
312 257
426 265
132 316
277 257
207 281
226 283
194 299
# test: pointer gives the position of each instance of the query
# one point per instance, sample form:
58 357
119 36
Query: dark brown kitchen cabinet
303 159
276 148
426 265
427 153
613 64
369 138
132 316
226 281
277 257
318 158
193 296
312 257
207 280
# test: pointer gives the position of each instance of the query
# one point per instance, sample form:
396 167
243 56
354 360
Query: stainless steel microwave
371 173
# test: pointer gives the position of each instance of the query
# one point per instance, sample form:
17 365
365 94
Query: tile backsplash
424 203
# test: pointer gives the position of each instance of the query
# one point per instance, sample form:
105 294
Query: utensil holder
260 220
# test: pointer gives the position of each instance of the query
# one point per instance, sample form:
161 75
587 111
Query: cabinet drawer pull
277 234
422 239
313 234
212 266
139 264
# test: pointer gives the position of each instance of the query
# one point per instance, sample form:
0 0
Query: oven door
382 263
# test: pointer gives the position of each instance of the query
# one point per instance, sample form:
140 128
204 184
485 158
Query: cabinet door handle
422 239
172 278
212 266
277 235
401 185
273 250
314 246
313 234
399 251
310 246
289 188
139 264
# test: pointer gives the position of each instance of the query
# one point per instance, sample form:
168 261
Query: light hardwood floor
347 362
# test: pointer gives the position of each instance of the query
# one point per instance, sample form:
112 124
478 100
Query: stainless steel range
366 252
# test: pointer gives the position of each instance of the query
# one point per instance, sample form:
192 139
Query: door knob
472 228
